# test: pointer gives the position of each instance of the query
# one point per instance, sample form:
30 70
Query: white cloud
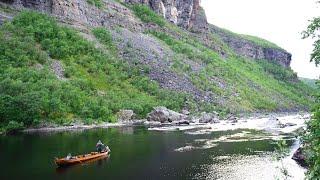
280 21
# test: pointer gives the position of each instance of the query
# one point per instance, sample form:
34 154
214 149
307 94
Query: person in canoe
101 147
69 157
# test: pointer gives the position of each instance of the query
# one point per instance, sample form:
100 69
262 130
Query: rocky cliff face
184 13
189 15
79 12
250 49
40 5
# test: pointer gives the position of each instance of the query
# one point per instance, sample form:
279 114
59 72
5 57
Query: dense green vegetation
189 49
312 142
97 3
105 37
312 137
147 15
309 82
278 72
97 84
313 31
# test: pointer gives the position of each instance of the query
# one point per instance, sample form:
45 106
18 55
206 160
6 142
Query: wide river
142 153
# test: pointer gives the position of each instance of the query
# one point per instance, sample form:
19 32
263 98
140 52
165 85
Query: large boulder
299 157
185 112
209 117
181 122
125 115
163 115
232 118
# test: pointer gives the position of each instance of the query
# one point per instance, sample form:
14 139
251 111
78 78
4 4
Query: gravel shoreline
81 127
143 122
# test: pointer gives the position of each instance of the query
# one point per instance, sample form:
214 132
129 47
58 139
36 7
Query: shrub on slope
97 84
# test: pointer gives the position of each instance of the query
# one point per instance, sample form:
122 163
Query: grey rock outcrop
252 50
125 115
138 48
79 13
181 122
39 5
184 13
209 117
58 69
198 21
185 112
163 115
300 157
4 18
232 119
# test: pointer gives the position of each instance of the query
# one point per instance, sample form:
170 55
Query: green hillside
245 85
97 83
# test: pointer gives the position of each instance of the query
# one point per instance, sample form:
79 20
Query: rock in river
299 157
182 122
125 115
162 114
209 117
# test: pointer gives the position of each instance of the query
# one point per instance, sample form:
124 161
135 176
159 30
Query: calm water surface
141 154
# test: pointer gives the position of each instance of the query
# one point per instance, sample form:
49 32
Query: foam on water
260 166
267 124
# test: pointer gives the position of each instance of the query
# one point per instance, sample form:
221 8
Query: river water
146 153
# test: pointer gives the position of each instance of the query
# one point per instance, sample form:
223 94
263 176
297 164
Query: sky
279 21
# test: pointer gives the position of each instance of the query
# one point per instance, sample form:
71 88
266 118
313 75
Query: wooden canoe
80 158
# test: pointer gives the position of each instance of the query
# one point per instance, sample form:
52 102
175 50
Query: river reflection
98 163
141 154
